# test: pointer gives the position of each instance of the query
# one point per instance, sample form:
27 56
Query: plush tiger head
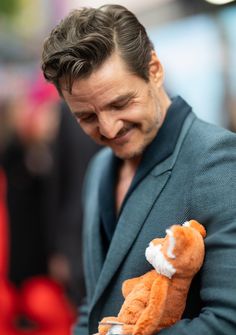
180 252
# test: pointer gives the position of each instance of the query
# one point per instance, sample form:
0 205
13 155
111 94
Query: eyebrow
120 99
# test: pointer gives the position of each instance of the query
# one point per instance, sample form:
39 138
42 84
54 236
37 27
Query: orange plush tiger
157 299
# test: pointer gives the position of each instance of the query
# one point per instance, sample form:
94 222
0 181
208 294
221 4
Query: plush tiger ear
196 225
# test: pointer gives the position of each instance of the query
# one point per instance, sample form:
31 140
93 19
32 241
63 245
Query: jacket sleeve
81 328
214 204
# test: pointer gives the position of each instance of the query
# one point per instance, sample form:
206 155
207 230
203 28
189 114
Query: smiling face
117 108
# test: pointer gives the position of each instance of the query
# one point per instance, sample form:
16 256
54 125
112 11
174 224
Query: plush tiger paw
109 325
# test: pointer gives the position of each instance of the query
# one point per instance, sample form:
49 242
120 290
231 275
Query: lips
124 131
123 136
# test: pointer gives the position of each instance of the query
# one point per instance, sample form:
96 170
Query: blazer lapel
94 255
133 217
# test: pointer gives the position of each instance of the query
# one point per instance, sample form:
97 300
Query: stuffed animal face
180 252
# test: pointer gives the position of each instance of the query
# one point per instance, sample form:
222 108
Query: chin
129 154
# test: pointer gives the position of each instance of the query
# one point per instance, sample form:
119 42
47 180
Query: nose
109 125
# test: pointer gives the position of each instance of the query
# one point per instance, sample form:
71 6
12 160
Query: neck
131 164
125 176
164 101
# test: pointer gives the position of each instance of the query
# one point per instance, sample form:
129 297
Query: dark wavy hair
82 41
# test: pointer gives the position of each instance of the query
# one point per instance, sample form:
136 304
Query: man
162 166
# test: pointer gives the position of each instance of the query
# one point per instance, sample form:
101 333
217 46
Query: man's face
117 108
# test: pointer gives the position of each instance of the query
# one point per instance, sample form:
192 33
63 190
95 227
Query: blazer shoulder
212 131
205 136
95 169
99 160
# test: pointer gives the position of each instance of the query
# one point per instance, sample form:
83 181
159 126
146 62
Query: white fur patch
186 224
171 246
115 330
156 258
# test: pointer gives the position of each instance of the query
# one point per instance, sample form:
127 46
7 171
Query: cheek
135 113
145 116
90 130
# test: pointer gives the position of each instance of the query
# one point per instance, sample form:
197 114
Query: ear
156 72
196 225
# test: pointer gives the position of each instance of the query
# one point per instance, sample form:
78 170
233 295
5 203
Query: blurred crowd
44 155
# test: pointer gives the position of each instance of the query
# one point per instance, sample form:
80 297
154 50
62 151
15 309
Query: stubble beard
150 133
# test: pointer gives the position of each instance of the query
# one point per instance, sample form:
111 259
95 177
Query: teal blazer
196 181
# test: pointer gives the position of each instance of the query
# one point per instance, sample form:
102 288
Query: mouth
123 136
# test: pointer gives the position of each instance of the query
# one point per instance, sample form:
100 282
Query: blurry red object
44 302
41 91
37 118
8 308
41 301
8 295
3 227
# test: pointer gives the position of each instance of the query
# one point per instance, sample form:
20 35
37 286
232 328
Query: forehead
111 79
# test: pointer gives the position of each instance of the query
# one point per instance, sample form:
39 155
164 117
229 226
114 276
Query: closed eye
85 117
89 118
121 102
120 106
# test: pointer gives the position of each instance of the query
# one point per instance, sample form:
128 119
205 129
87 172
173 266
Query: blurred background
196 42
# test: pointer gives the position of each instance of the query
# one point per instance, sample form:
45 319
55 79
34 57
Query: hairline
86 75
